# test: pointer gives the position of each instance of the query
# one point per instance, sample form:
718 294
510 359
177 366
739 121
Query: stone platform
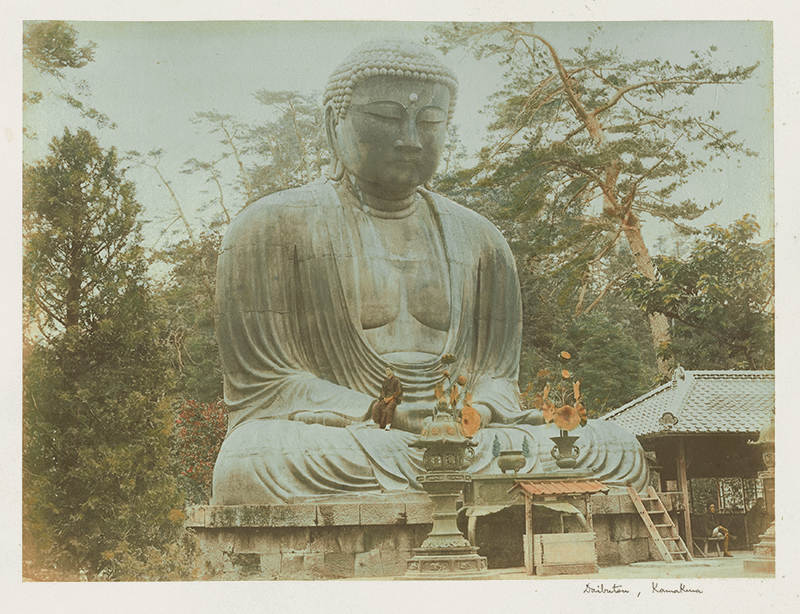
331 539
376 536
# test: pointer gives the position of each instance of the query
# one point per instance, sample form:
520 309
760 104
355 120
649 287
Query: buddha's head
386 113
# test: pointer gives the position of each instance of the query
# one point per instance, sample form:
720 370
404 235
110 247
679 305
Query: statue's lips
415 160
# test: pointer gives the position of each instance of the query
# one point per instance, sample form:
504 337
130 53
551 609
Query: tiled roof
559 487
701 402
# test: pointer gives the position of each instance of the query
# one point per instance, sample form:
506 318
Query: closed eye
431 116
384 116
384 111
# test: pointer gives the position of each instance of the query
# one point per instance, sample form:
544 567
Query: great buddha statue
322 288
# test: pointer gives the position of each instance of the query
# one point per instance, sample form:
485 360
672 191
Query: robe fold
293 351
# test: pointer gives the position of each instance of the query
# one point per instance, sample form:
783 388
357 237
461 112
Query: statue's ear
336 168
330 129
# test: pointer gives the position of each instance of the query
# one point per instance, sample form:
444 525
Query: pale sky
151 78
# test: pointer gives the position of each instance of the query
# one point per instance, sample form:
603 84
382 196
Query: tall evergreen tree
97 424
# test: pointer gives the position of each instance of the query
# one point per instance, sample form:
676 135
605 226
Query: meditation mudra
322 288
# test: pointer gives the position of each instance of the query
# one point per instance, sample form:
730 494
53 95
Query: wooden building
699 427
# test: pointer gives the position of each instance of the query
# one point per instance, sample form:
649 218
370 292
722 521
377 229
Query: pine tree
51 48
97 483
586 126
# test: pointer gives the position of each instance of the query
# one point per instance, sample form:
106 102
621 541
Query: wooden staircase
662 530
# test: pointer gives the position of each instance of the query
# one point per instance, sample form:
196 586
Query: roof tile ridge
683 389
733 373
636 401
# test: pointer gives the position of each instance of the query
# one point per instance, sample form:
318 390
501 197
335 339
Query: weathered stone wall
342 540
622 537
308 541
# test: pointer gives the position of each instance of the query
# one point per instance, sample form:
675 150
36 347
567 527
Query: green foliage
52 49
609 340
608 361
234 139
186 306
52 46
291 150
79 217
200 431
173 561
97 424
721 299
586 142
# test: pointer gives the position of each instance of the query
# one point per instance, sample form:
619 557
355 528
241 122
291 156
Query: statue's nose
408 137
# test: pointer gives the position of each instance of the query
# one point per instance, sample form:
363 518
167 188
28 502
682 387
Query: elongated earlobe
336 168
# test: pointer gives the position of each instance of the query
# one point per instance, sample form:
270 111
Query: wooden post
589 524
683 486
528 535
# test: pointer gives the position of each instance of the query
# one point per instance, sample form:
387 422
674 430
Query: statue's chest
402 271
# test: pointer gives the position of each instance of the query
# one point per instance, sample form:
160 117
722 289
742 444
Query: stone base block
330 540
441 565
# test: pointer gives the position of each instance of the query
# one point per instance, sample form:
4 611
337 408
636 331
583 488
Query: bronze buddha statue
323 287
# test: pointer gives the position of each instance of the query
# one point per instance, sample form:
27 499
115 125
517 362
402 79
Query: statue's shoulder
284 210
466 218
309 196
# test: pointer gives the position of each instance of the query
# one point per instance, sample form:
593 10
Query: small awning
558 506
533 488
484 510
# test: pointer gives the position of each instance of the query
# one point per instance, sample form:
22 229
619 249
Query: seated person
384 407
712 528
323 287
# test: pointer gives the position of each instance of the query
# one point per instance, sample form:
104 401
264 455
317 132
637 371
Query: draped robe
292 347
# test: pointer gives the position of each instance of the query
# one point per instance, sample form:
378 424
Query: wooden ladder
669 544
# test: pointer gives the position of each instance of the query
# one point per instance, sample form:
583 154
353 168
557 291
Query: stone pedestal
763 560
367 536
445 553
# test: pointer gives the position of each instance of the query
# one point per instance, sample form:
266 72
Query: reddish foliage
200 429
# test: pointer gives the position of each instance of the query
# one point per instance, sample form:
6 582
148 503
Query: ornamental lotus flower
582 413
548 410
567 418
454 391
470 418
554 401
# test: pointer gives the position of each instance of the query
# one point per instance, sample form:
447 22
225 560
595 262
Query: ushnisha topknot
386 57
